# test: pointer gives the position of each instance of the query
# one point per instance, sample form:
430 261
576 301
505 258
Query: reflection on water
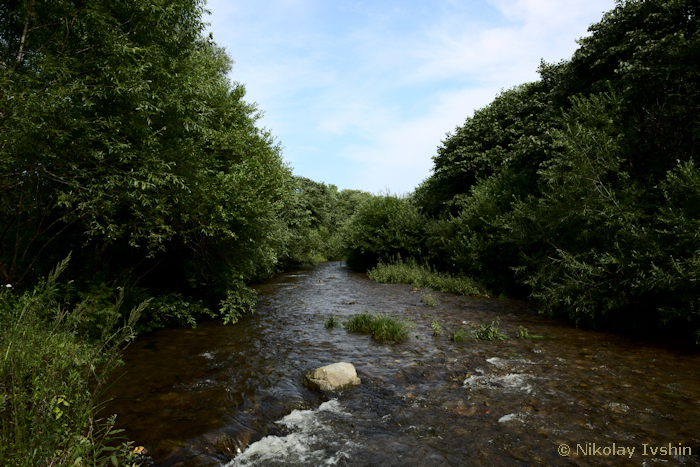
199 397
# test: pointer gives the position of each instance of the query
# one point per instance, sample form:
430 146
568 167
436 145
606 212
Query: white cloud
374 90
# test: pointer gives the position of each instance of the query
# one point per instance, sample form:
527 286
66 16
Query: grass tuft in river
459 335
435 326
488 332
524 334
382 327
427 299
331 322
423 275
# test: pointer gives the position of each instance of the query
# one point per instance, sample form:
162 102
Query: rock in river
335 377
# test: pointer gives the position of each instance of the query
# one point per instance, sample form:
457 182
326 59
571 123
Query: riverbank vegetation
580 190
52 373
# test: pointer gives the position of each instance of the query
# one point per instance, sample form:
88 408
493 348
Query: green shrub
437 329
524 334
331 322
427 299
382 228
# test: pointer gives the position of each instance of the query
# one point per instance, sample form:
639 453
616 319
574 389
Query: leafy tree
383 228
646 52
123 139
511 133
598 251
314 215
583 182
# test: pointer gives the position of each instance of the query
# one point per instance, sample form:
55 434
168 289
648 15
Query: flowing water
233 395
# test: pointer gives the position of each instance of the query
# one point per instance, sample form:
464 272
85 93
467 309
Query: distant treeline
580 190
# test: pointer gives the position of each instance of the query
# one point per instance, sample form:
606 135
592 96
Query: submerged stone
335 377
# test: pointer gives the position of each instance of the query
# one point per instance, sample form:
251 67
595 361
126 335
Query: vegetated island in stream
126 148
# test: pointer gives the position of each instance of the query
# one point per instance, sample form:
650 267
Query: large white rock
335 377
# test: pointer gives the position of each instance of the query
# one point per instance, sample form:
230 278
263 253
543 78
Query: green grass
427 299
51 376
422 275
488 332
524 334
382 327
459 335
331 322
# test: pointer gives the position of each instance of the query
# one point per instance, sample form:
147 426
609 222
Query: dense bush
125 142
384 227
314 215
382 327
603 246
582 188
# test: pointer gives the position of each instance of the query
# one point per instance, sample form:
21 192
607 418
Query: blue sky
360 93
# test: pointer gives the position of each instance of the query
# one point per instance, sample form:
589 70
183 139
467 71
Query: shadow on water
232 395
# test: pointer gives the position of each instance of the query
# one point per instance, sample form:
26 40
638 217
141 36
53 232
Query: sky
360 94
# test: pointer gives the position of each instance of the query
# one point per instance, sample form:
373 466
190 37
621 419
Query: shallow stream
232 395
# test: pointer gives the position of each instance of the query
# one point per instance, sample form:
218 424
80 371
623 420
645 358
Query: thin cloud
373 89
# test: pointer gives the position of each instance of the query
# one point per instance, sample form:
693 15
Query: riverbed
233 396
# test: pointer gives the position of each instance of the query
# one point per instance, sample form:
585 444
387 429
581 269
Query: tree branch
24 39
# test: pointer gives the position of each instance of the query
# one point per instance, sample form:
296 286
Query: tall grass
51 376
422 275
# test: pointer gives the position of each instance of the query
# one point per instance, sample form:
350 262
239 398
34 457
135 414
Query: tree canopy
579 189
124 140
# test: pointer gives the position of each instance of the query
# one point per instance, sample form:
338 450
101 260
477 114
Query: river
232 395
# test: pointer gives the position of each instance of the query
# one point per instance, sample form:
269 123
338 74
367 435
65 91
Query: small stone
330 378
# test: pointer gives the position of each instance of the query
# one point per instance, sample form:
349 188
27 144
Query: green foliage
382 327
511 133
582 189
363 322
488 332
124 140
605 247
436 327
644 51
50 378
524 334
411 272
169 309
383 227
314 215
